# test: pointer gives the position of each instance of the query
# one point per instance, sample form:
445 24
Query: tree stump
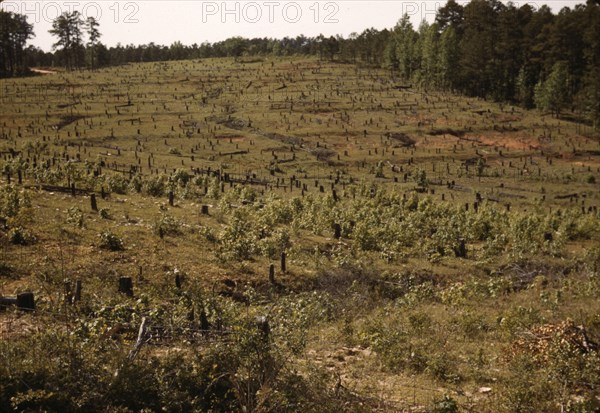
272 274
283 263
461 251
337 231
77 294
68 293
204 324
93 202
26 301
126 286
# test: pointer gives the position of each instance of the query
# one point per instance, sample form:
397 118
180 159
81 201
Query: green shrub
21 236
445 404
166 224
104 213
118 184
75 217
111 242
155 186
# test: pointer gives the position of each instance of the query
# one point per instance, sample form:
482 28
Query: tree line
14 33
484 48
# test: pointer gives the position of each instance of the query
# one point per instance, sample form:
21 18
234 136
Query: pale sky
197 21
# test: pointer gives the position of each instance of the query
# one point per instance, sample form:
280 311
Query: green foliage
21 236
445 404
13 201
117 183
405 345
239 240
166 224
519 319
75 217
181 177
104 213
553 94
111 241
420 177
155 185
15 31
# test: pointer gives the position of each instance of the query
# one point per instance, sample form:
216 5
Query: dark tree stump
126 286
26 301
337 231
461 251
68 293
283 263
93 202
272 274
204 324
77 294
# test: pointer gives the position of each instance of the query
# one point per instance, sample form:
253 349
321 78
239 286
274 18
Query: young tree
405 38
390 60
525 87
91 26
553 94
430 68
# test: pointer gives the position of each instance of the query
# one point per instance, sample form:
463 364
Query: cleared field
434 245
304 119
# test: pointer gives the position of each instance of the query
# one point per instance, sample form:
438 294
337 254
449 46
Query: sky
198 21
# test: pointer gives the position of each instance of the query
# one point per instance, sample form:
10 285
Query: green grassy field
465 270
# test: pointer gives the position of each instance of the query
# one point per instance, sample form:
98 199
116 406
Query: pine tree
405 38
68 28
91 25
449 57
553 94
430 65
14 33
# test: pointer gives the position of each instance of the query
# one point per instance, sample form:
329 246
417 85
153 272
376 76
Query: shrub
118 184
181 177
111 242
104 213
166 224
155 186
12 201
75 217
21 236
445 404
